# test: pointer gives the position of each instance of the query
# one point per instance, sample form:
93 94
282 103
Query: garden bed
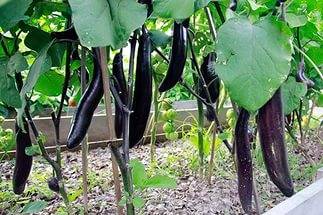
192 195
98 128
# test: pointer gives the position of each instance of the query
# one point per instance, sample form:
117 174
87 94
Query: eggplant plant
261 58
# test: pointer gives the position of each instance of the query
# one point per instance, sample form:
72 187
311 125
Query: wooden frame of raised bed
97 135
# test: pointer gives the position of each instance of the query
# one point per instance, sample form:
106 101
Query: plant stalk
200 127
110 130
53 163
85 149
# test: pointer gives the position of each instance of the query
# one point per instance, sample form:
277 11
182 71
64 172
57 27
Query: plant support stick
85 141
111 132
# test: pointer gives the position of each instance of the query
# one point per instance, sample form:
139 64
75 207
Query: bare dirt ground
192 196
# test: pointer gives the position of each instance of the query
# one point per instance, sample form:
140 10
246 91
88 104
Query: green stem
309 60
127 181
218 9
200 127
53 163
212 156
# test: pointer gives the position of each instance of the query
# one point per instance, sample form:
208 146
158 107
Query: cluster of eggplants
178 56
87 105
143 91
23 162
270 125
244 160
121 87
271 134
212 81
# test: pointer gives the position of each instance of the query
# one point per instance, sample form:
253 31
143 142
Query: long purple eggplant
121 87
244 161
210 77
143 91
212 81
178 57
87 105
23 162
271 133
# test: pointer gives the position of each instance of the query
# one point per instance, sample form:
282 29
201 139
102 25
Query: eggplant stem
53 163
309 60
219 10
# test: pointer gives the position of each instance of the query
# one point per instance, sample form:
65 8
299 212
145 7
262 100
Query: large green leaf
139 175
10 43
138 202
316 54
50 83
198 4
37 39
12 12
159 38
8 91
295 20
292 92
16 64
41 64
34 207
160 181
176 9
253 59
106 22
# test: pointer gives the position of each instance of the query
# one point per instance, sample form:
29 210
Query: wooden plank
307 201
97 131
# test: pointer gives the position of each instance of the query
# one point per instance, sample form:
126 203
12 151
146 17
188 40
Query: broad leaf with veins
253 59
106 22
292 92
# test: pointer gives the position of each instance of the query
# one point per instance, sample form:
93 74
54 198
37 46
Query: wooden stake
85 149
111 132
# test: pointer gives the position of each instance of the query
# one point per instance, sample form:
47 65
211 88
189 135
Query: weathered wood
307 201
98 129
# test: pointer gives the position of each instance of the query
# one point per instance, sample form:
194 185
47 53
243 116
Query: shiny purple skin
142 93
244 161
271 134
23 162
178 58
87 105
53 184
210 77
121 87
210 114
